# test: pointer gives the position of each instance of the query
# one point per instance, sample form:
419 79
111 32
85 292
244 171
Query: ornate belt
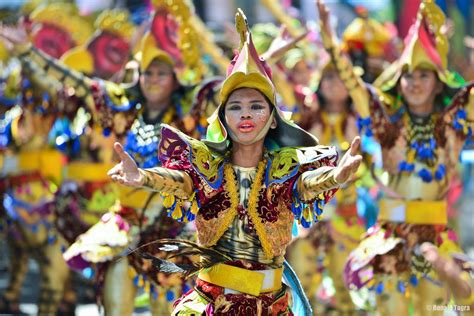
243 280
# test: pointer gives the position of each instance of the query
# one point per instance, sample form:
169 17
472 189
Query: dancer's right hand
14 37
126 172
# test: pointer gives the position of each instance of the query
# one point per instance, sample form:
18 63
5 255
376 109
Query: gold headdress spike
206 39
65 16
426 43
242 27
117 22
425 46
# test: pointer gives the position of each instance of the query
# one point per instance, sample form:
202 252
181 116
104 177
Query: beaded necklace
421 147
142 139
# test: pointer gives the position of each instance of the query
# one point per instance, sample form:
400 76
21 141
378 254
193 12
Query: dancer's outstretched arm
177 183
16 38
354 84
312 183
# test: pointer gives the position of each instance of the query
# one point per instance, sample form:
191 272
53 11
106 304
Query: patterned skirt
209 299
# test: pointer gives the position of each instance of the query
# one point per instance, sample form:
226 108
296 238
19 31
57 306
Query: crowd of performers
149 161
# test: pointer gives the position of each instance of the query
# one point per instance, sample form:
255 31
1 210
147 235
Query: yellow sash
48 162
414 212
242 280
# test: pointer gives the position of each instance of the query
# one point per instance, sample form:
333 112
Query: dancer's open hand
126 172
349 163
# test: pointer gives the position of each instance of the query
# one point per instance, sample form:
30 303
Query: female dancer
421 115
245 185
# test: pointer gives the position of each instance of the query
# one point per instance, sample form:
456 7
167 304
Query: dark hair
323 102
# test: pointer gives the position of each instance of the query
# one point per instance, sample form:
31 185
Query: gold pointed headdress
248 70
366 33
425 47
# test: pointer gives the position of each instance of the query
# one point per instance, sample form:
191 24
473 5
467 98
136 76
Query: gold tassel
140 281
178 213
168 201
194 207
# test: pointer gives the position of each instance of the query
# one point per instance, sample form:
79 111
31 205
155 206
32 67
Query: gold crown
65 16
117 22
